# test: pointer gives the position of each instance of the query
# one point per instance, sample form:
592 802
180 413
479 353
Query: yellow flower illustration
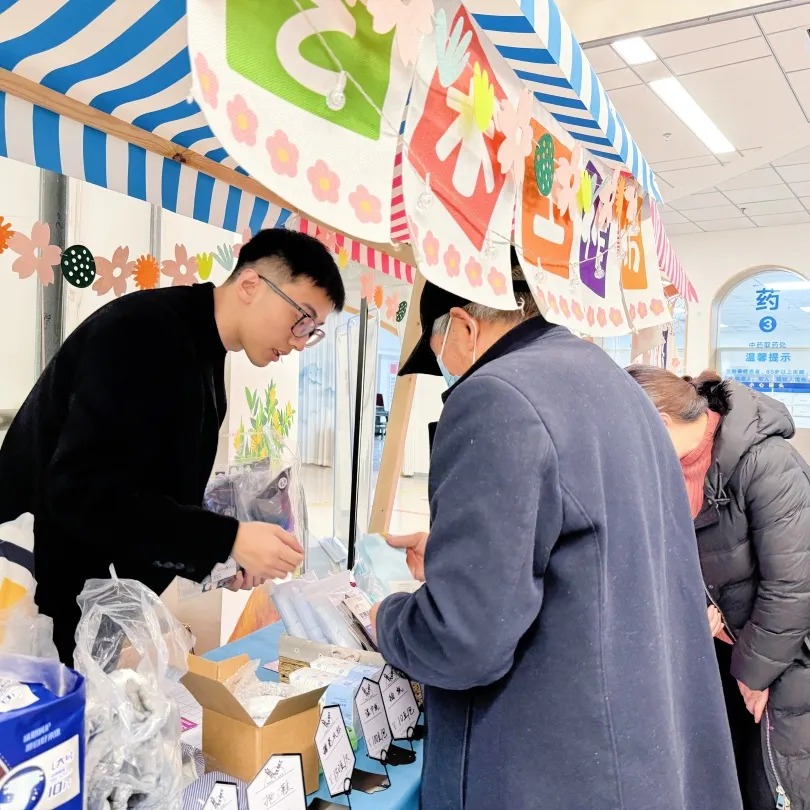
483 98
205 264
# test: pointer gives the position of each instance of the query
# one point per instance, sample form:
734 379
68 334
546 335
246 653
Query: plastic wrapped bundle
132 653
258 698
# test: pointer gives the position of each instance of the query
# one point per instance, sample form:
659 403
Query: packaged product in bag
42 707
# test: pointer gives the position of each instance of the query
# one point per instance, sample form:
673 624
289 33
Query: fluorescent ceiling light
634 51
677 98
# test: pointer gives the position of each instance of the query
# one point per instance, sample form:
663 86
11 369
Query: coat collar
514 340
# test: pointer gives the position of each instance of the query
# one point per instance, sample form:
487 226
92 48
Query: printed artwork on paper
459 202
278 83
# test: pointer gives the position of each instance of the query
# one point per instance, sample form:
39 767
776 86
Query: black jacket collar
522 335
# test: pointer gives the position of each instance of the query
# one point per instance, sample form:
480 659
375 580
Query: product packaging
42 706
381 570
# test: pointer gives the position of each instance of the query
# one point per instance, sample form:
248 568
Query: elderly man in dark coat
561 632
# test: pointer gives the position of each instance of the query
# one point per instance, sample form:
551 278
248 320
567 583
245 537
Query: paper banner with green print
308 98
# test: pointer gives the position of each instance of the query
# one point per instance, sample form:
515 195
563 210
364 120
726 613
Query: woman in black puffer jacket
750 496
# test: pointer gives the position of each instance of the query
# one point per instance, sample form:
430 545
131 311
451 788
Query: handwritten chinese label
767 300
222 797
400 703
373 719
335 751
279 785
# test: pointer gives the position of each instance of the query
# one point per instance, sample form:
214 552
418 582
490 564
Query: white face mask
452 379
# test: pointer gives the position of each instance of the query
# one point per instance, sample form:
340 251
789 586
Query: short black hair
303 257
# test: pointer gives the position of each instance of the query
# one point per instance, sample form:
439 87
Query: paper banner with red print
459 203
349 249
276 82
642 287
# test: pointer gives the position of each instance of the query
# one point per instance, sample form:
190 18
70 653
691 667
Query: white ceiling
751 75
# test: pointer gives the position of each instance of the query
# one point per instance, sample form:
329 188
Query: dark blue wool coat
562 632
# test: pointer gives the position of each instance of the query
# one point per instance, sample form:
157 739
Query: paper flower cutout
657 306
540 297
642 310
544 164
403 308
343 259
283 154
616 317
516 126
591 316
567 180
413 230
37 254
564 308
452 261
183 270
483 98
78 266
552 303
431 249
474 273
378 296
367 207
631 311
208 81
205 264
633 200
411 20
5 235
391 305
576 308
367 285
497 281
585 193
244 122
601 318
113 273
607 196
224 257
451 52
326 237
325 183
146 273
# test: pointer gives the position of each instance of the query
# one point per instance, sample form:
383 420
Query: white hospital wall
713 260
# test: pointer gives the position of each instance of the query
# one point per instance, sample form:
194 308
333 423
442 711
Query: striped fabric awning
534 38
671 268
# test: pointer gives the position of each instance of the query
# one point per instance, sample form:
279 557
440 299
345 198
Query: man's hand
266 551
414 545
755 702
244 581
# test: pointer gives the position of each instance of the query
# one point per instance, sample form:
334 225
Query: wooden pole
19 86
397 431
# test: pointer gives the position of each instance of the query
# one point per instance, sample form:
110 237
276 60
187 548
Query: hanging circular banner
78 266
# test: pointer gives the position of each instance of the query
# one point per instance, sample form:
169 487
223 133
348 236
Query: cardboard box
233 740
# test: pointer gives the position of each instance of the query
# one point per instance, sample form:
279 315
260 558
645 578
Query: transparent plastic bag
258 698
132 652
25 631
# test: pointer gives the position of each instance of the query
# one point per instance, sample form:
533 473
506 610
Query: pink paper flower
246 237
540 296
657 306
567 179
616 317
243 121
474 273
601 318
452 261
113 274
367 286
411 21
283 154
37 254
497 281
183 270
326 237
431 249
631 311
325 183
208 81
576 308
642 310
367 207
591 316
564 308
633 199
391 306
413 229
607 199
552 302
516 125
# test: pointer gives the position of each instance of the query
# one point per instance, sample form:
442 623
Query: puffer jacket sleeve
774 482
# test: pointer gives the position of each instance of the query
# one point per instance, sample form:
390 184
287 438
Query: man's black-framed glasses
305 326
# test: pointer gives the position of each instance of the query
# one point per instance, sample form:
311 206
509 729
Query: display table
404 791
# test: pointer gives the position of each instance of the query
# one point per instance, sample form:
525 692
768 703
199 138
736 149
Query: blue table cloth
405 779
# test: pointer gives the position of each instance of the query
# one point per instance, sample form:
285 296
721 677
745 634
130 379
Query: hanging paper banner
276 82
602 303
640 274
548 239
459 202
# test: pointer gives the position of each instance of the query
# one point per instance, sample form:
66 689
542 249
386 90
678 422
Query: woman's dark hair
683 398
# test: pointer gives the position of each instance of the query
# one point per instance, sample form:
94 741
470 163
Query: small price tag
400 703
279 785
373 719
222 797
335 751
360 608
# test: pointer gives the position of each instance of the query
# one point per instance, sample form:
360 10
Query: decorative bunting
36 253
78 266
451 52
401 312
113 274
146 273
544 164
183 269
409 21
5 235
205 264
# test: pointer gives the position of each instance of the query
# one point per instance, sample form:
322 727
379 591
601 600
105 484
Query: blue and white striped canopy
129 58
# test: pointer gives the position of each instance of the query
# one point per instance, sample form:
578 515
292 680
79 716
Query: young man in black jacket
113 448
